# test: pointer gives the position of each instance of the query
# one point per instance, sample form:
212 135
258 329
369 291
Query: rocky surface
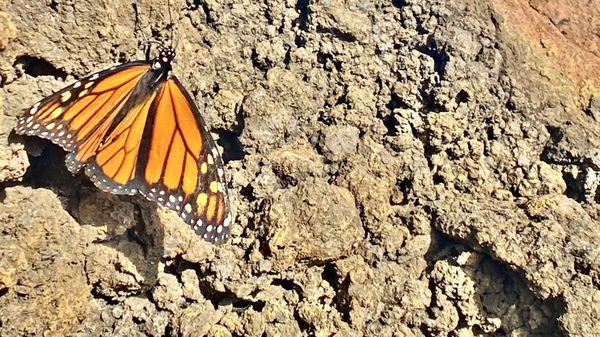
411 168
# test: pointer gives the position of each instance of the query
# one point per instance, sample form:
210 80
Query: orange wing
115 164
183 167
135 132
78 117
163 149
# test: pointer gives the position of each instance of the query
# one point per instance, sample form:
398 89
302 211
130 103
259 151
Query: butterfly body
135 129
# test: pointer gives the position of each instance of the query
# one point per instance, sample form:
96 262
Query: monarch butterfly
135 129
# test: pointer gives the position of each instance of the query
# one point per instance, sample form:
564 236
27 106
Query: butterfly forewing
183 169
69 117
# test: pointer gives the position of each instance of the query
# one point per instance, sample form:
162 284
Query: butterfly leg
136 20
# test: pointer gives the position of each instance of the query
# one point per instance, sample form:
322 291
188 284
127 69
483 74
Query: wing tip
209 231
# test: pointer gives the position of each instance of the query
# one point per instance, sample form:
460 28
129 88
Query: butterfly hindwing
114 168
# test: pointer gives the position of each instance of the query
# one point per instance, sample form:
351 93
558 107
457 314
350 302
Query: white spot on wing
65 96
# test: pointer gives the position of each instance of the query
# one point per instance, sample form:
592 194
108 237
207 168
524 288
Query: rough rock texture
402 168
42 276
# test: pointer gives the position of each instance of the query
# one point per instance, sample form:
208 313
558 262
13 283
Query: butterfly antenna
179 34
136 18
170 21
177 40
138 27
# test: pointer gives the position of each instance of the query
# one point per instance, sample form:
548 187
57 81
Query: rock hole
242 305
398 3
328 61
36 66
396 102
285 284
302 8
232 147
440 57
248 192
390 124
53 5
330 275
555 132
575 186
462 97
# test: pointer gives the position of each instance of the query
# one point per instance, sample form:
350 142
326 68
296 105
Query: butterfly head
164 60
